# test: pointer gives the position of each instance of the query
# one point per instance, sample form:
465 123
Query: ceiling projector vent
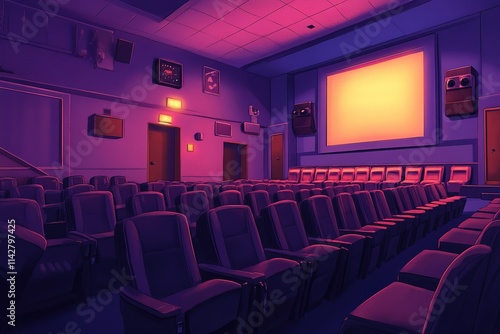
160 9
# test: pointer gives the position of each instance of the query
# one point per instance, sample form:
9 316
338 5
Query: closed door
492 125
277 156
164 161
234 161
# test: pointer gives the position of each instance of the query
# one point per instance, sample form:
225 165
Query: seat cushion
425 269
272 267
377 236
457 240
474 224
394 309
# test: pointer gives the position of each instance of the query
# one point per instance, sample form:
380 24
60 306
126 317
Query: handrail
21 161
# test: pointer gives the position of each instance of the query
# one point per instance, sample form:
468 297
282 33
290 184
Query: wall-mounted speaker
460 91
198 136
250 128
123 51
303 119
223 129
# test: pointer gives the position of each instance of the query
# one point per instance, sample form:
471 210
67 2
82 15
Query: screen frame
428 46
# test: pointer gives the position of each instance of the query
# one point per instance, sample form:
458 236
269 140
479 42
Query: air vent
223 129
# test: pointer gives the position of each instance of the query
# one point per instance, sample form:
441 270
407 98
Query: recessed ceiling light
311 26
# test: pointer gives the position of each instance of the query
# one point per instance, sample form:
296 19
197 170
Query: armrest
364 233
394 220
383 223
404 216
331 242
239 276
279 253
148 304
90 242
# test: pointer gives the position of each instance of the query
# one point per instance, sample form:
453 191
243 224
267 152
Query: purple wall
462 139
91 90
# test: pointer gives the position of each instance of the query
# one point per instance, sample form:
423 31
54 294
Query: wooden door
164 161
277 156
492 145
234 161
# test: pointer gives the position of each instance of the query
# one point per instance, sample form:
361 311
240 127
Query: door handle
493 150
152 163
277 158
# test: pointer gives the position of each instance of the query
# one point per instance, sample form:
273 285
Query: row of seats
381 177
287 230
456 285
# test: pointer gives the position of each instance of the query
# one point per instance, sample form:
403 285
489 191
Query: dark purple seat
377 176
393 176
193 205
207 188
167 293
172 194
152 186
117 179
229 197
100 182
404 308
73 180
6 183
302 194
288 239
147 201
477 224
413 175
228 187
51 186
284 194
244 189
272 189
122 195
230 239
260 186
62 271
258 200
349 223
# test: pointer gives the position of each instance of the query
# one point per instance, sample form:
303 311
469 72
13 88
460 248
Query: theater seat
147 201
284 194
307 175
117 179
166 293
403 308
413 175
100 182
459 175
346 175
229 197
320 175
172 194
393 176
6 183
73 180
433 174
333 176
361 175
230 239
193 205
51 186
122 195
68 206
207 188
377 176
294 175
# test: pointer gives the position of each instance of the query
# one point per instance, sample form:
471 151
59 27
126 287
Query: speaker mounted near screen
223 129
461 91
105 126
123 51
250 128
303 119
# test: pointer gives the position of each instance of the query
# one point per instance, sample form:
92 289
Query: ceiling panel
261 8
242 38
310 7
221 29
263 27
285 16
239 18
355 9
195 19
141 24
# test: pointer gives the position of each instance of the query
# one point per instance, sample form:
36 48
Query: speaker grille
223 129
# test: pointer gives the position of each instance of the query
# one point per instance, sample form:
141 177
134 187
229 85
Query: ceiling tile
355 9
301 29
216 8
262 45
263 27
262 8
286 1
239 18
195 19
285 16
85 9
145 25
283 36
241 38
240 55
220 29
336 2
220 48
311 7
175 32
330 18
200 40
115 16
384 4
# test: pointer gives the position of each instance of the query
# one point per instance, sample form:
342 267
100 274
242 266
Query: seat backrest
413 174
381 204
76 189
100 182
377 174
456 299
7 183
285 226
361 173
72 180
441 190
365 207
334 174
346 210
316 191
244 189
259 186
94 212
272 188
228 187
319 217
404 196
194 204
257 200
320 174
117 179
302 194
122 193
29 191
234 236
307 175
47 182
433 174
340 189
294 174
25 212
208 189
352 188
460 174
147 201
153 186
285 194
328 191
432 192
159 253
394 174
394 200
347 174
230 197
172 194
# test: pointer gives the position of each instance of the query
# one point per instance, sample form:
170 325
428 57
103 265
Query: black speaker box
123 52
303 119
461 91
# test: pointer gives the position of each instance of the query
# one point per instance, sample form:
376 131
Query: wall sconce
174 103
190 147
162 118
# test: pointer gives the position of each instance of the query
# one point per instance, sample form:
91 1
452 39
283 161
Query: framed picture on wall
211 80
